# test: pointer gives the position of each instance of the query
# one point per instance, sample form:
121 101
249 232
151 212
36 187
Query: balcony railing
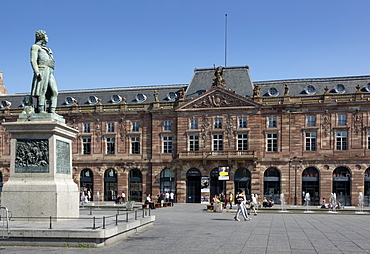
225 154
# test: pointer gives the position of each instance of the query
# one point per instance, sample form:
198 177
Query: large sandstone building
288 137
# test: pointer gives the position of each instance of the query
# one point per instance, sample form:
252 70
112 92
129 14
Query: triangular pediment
218 98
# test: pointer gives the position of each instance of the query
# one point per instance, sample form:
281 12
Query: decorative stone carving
357 122
256 91
229 129
205 129
219 81
98 130
32 156
218 99
326 123
122 129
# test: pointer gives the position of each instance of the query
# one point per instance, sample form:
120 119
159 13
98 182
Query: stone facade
276 137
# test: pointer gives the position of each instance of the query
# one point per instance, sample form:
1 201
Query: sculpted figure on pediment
217 100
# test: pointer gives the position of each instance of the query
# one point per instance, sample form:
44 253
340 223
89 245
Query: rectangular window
218 142
311 120
341 140
310 141
110 127
135 145
194 124
111 144
342 119
271 122
217 123
193 143
86 128
242 141
272 142
86 145
242 122
135 126
167 144
167 125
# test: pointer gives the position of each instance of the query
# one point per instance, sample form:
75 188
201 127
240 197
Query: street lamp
296 167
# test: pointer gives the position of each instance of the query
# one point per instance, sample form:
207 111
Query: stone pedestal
40 182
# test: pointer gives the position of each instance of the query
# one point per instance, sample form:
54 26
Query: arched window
342 185
135 185
311 185
110 184
87 183
271 184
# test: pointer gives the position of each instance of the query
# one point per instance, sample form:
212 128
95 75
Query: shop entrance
342 185
86 183
311 185
216 186
135 185
271 185
242 181
193 186
110 185
367 187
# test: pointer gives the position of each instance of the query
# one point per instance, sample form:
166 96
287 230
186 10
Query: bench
167 204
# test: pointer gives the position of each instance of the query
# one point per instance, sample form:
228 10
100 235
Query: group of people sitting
268 203
324 205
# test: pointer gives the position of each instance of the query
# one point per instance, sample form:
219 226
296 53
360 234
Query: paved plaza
189 228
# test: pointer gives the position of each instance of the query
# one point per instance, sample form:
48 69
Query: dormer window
340 88
140 97
5 104
69 100
172 96
115 98
367 87
310 89
92 100
273 91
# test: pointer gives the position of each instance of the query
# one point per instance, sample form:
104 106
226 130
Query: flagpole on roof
225 38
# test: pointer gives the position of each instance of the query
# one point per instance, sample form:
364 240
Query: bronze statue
44 86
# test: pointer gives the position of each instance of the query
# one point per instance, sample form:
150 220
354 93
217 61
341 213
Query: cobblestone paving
188 228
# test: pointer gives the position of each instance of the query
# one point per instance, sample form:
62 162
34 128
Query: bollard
90 210
143 212
103 222
50 224
135 214
126 216
94 223
116 219
150 213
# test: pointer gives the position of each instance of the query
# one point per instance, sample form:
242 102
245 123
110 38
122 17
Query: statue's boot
41 109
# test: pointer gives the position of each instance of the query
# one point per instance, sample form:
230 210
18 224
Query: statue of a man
44 86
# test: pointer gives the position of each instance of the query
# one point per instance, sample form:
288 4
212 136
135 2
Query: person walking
253 204
241 202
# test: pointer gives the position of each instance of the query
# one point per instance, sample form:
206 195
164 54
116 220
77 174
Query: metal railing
4 226
96 222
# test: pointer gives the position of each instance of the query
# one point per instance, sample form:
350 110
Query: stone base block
45 197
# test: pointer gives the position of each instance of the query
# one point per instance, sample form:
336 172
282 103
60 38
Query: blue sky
118 43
